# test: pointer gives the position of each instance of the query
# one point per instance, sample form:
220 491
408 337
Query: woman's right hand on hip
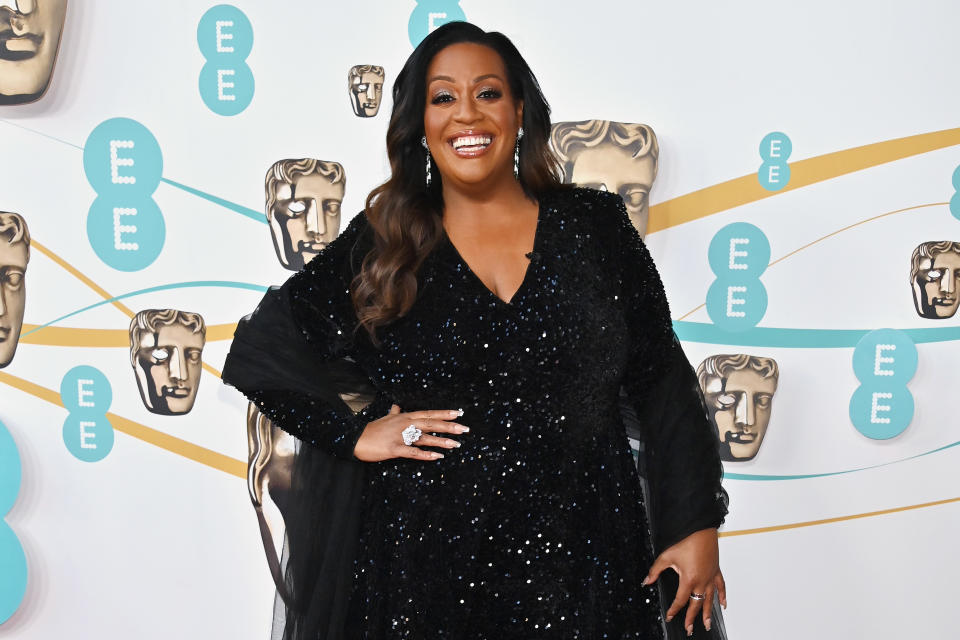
382 439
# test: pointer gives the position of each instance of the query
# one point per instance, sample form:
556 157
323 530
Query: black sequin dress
536 527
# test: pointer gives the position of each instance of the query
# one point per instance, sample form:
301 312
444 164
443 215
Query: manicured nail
453 443
645 582
689 631
669 618
462 429
706 623
460 412
437 455
455 412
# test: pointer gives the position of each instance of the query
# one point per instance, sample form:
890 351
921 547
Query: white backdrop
158 539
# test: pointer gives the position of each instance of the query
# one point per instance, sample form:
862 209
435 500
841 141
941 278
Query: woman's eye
441 98
490 93
296 207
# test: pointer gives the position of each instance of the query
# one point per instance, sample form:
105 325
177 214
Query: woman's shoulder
586 203
346 250
601 214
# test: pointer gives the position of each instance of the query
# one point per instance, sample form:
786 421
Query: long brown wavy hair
404 213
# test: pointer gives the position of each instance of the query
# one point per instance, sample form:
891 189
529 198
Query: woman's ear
520 112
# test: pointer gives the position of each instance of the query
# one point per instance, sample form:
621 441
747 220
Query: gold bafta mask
610 156
934 277
303 208
29 38
738 391
14 256
365 82
166 352
269 476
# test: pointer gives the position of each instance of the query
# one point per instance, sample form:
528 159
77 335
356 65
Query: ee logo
87 395
124 165
739 253
225 36
430 14
884 361
775 149
13 562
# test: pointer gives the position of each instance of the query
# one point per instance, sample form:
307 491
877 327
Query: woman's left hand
696 559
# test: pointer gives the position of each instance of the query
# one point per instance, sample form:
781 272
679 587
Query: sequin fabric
535 527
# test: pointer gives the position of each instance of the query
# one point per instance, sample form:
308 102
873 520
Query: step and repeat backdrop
795 170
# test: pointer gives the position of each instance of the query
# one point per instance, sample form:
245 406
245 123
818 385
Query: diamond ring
697 596
411 434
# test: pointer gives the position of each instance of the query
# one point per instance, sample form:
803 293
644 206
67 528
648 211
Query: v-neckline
526 274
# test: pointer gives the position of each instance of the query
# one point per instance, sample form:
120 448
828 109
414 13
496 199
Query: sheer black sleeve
291 355
681 449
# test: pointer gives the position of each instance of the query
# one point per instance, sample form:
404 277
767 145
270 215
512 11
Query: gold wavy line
747 189
814 523
79 337
79 276
142 432
831 234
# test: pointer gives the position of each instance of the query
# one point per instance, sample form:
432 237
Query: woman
474 280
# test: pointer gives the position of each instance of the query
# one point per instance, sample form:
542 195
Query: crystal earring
516 155
423 141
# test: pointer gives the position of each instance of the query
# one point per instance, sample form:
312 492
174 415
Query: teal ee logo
739 254
13 562
86 394
430 14
124 165
884 361
955 200
225 36
775 149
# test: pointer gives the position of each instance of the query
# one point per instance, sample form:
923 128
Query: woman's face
471 118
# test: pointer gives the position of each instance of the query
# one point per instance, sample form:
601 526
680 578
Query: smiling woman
476 280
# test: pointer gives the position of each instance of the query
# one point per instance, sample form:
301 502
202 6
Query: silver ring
411 434
697 596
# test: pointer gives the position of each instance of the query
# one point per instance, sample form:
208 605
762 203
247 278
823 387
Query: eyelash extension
493 93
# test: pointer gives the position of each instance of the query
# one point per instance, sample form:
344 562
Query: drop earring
516 155
423 141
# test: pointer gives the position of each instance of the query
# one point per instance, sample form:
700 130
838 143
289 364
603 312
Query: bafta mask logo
29 38
14 256
934 276
166 350
303 208
738 391
610 156
365 82
269 477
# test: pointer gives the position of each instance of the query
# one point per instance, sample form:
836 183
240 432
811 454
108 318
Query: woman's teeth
472 143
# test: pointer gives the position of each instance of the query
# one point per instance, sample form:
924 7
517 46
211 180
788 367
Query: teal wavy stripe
220 284
798 338
233 206
766 478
